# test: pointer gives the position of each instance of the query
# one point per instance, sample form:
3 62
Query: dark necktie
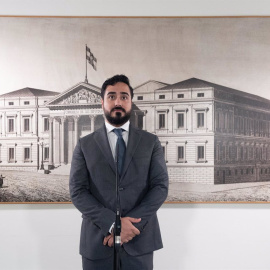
121 149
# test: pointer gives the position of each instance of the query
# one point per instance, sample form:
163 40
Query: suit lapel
133 141
101 139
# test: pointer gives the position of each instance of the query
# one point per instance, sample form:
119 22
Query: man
143 185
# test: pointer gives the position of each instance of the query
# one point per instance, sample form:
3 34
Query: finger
106 239
135 231
110 242
134 220
124 241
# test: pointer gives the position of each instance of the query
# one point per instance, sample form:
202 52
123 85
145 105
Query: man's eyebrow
124 93
113 93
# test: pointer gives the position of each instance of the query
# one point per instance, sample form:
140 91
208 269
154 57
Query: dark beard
118 120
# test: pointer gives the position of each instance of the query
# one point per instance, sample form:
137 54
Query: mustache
118 108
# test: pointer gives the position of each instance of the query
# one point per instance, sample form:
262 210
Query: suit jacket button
121 189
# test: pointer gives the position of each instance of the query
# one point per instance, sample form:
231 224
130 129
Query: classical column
4 124
154 125
15 151
51 165
144 120
206 116
62 138
167 119
191 120
33 123
170 130
18 123
76 119
92 117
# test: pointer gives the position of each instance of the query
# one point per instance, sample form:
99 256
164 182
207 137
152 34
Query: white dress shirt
112 137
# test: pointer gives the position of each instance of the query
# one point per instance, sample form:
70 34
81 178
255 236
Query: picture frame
200 85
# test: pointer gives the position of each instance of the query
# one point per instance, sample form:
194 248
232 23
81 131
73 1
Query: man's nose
118 101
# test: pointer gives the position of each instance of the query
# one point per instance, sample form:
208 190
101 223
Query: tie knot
118 132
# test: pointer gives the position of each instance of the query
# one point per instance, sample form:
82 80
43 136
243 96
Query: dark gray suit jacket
143 189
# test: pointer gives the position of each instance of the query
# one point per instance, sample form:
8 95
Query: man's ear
102 101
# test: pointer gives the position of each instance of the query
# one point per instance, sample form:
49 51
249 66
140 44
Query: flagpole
86 80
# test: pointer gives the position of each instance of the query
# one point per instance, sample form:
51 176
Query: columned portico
74 113
66 127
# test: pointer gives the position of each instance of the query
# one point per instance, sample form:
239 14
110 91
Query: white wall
196 236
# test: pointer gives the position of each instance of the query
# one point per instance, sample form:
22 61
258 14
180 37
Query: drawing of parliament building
209 133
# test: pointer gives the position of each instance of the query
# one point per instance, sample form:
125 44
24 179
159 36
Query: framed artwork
200 84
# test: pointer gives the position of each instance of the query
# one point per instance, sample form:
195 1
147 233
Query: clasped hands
128 231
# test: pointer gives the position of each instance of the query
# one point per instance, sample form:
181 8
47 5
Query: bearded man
143 185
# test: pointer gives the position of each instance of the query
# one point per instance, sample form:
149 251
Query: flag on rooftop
92 60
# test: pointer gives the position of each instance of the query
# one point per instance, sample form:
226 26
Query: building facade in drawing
210 133
24 129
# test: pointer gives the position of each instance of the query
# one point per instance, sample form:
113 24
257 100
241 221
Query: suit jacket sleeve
81 196
158 188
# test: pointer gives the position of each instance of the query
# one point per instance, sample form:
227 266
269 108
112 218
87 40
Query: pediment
80 94
149 87
83 96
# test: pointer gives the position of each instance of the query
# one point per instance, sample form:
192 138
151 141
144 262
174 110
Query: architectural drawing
210 134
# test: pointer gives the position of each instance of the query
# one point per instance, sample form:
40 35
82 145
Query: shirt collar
110 127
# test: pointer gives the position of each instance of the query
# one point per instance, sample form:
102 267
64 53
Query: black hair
113 80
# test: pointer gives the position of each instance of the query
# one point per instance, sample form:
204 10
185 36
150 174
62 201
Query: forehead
118 87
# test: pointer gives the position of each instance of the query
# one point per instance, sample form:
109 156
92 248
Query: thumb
135 220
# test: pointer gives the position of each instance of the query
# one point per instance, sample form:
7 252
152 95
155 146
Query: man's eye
111 97
124 97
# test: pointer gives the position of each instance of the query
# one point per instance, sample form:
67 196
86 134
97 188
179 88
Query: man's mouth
118 110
